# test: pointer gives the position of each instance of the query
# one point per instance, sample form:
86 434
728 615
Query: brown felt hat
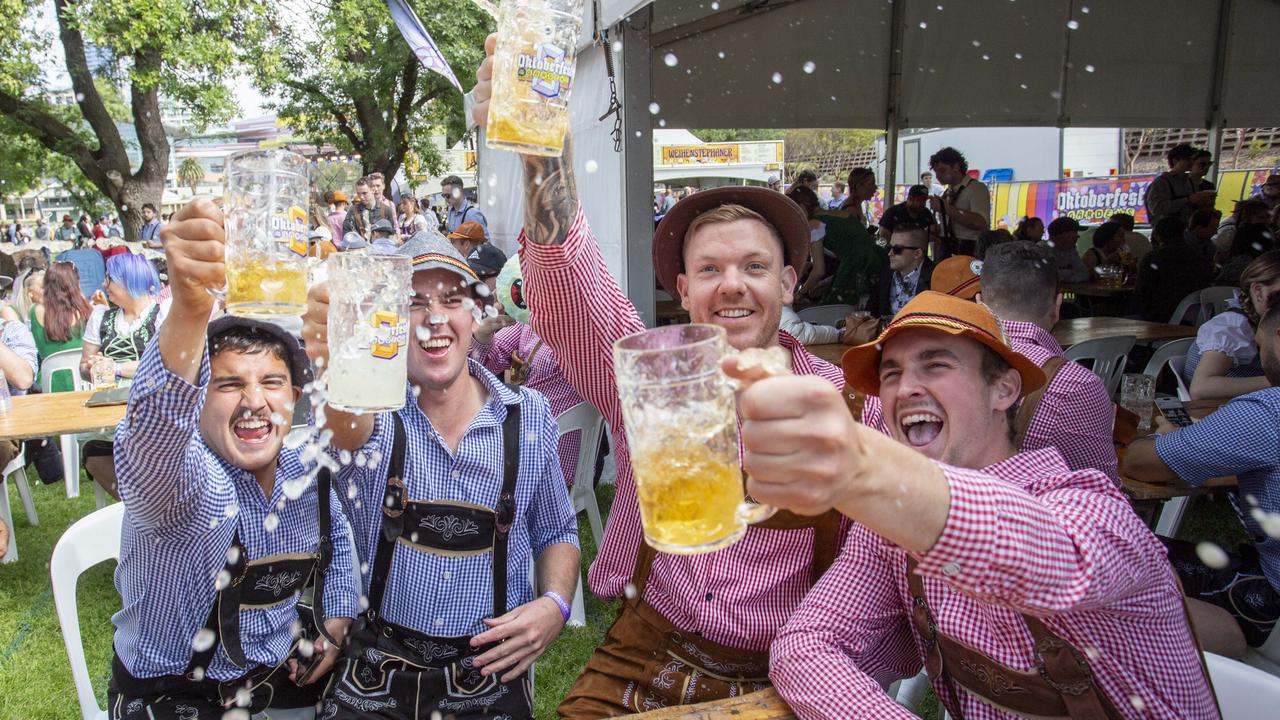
958 275
945 313
777 209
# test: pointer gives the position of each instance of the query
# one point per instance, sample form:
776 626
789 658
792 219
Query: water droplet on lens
777 78
1073 25
670 59
1088 68
591 166
271 522
1212 555
923 25
653 108
629 591
720 54
203 640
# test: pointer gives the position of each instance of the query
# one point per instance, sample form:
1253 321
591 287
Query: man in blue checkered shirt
224 527
454 500
1241 439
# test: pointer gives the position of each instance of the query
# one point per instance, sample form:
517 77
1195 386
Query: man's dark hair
249 341
1169 229
1125 220
806 176
1019 280
1105 233
990 239
1270 321
1250 206
1178 152
149 205
993 368
805 197
1201 218
1061 225
452 180
1251 240
949 156
1201 152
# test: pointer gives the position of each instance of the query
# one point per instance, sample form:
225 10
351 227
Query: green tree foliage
345 77
183 49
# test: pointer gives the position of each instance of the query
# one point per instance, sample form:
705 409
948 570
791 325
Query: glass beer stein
682 429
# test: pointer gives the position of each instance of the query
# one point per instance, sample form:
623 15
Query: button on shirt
450 596
1025 533
1243 439
183 505
756 582
1075 413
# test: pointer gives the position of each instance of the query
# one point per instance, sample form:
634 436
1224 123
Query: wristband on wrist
560 603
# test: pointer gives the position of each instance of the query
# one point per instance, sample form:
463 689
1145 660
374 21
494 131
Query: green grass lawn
35 679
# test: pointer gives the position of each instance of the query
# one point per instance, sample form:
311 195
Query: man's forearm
1143 463
181 340
971 220
17 371
558 570
550 197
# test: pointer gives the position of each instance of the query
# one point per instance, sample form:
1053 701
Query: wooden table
1145 491
1078 330
46 414
831 352
763 705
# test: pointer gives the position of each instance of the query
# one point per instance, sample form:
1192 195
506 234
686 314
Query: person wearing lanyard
454 499
1024 588
210 491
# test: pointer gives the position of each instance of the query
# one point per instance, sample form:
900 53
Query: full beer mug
368 331
266 233
682 428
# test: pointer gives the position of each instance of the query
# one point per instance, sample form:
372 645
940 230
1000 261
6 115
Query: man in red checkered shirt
693 628
1024 588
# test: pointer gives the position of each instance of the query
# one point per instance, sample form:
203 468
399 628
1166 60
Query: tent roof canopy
827 63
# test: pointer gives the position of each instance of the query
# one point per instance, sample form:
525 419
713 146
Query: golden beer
689 495
682 430
258 287
533 69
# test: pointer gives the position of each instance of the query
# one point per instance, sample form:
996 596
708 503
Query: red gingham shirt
1075 413
1025 533
544 376
739 596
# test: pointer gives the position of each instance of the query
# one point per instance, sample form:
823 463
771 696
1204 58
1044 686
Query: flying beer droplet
670 59
777 78
1073 25
1212 555
654 108
203 640
591 166
809 67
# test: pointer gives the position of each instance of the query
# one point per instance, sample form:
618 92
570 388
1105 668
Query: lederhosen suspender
950 243
265 582
447 527
1031 403
1061 685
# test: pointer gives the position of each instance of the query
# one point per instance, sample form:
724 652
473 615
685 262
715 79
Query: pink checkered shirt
544 376
739 596
1075 413
1024 535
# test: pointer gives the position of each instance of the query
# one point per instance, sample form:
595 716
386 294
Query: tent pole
894 100
637 160
1215 120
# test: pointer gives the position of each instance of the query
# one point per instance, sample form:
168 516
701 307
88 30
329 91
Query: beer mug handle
750 513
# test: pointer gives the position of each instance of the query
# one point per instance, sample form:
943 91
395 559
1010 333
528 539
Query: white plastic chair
63 361
1244 692
1108 355
1214 301
825 314
1267 656
1189 305
1173 354
584 418
92 539
6 514
17 470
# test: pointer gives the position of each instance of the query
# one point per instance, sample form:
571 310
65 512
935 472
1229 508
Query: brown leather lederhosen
646 662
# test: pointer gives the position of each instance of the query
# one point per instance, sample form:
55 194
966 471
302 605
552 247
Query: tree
184 49
190 172
348 79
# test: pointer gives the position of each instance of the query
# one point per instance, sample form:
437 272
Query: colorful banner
719 154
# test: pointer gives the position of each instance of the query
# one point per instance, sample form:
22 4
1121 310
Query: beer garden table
44 414
1078 330
763 705
1095 289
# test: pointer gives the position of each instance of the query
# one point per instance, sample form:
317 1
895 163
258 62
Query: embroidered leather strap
1031 402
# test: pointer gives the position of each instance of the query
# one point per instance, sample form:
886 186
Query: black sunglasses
899 249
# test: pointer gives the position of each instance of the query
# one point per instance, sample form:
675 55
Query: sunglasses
899 249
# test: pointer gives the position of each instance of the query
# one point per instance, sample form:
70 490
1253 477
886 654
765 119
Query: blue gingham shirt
17 338
183 504
1241 439
465 212
450 596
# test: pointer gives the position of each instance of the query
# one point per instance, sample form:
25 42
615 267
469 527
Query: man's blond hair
729 213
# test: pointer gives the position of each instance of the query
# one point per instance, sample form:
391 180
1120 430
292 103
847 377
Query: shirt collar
1031 333
500 396
909 276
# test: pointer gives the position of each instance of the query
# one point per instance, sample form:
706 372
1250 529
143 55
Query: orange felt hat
945 313
958 275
